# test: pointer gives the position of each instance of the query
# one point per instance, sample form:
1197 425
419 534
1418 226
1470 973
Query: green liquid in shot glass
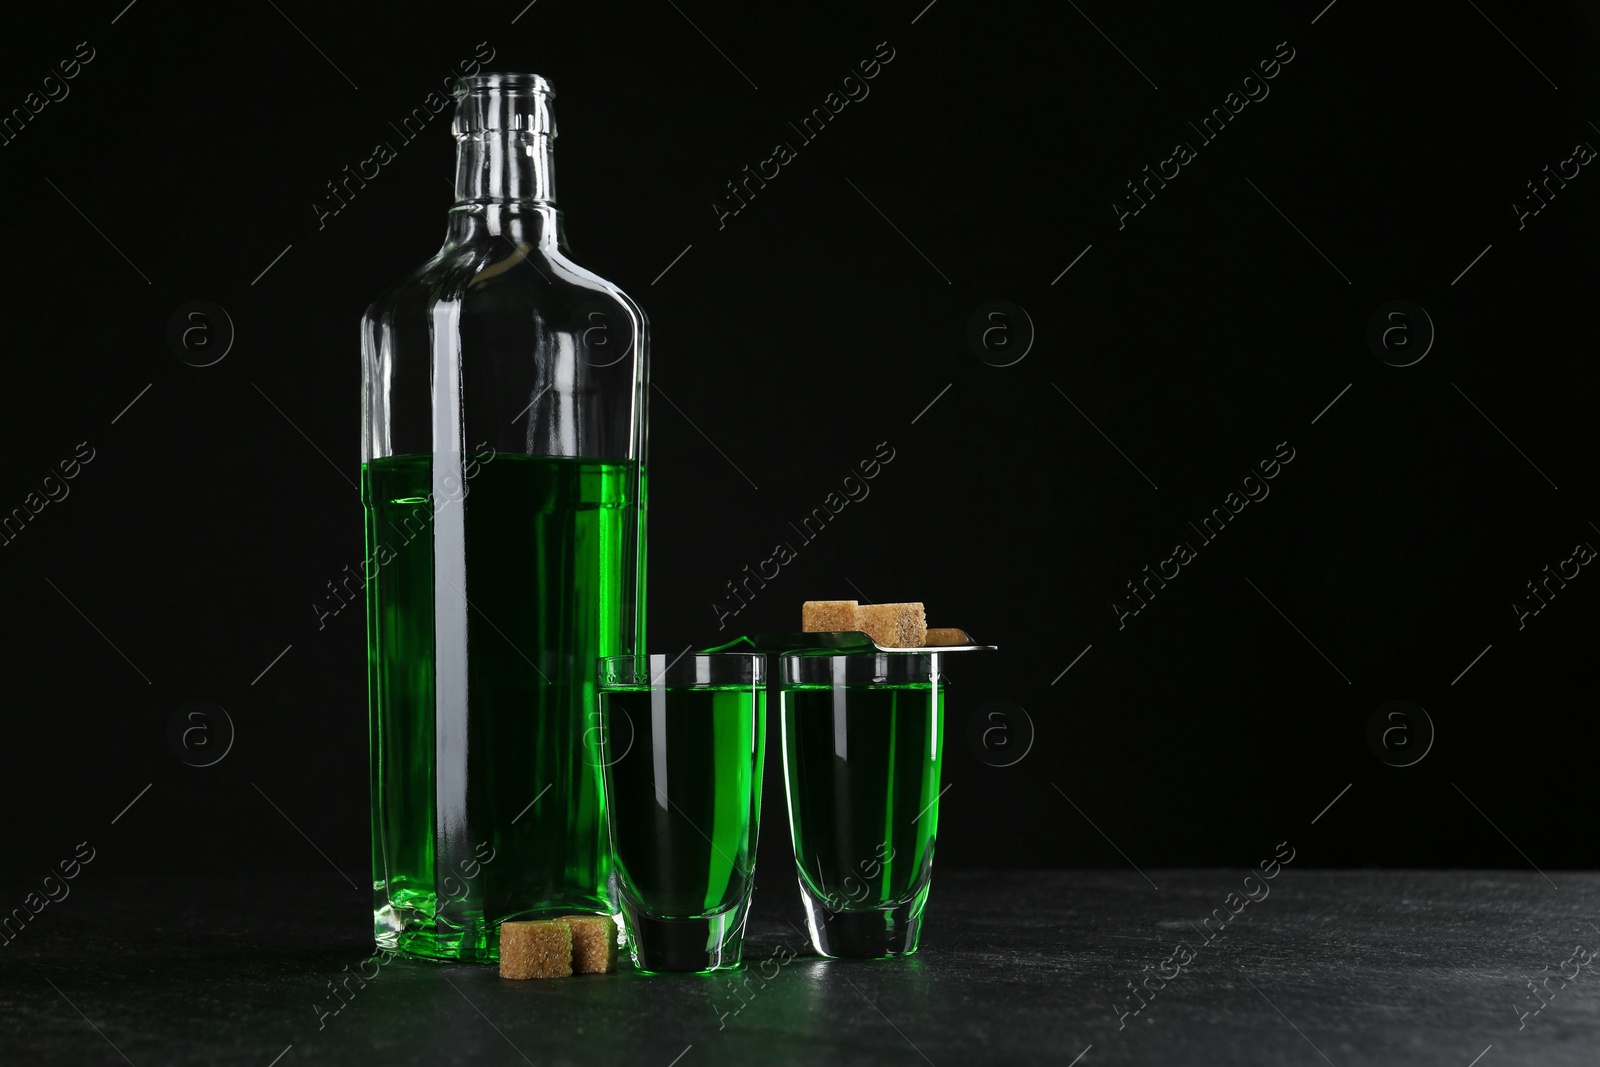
863 789
683 782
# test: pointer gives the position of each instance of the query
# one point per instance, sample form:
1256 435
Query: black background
818 322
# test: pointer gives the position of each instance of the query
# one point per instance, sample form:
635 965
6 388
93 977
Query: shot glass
682 746
863 741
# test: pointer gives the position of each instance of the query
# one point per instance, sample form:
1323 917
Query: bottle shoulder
419 286
544 356
598 289
495 273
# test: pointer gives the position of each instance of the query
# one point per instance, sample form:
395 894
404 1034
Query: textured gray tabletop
1321 967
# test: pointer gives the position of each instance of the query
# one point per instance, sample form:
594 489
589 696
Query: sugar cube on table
540 948
594 943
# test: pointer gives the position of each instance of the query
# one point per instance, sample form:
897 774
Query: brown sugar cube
826 616
893 625
945 636
594 943
536 949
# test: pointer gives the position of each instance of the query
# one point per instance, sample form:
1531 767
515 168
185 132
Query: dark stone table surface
1453 968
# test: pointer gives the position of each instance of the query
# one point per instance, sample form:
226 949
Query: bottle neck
505 165
505 185
505 171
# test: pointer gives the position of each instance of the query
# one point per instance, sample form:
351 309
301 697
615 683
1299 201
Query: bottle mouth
504 80
504 102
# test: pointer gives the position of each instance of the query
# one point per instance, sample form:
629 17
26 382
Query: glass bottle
503 442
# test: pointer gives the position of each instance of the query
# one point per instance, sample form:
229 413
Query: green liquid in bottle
683 777
863 789
551 549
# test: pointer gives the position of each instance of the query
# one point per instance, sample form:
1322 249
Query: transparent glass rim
499 106
686 671
504 82
862 668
